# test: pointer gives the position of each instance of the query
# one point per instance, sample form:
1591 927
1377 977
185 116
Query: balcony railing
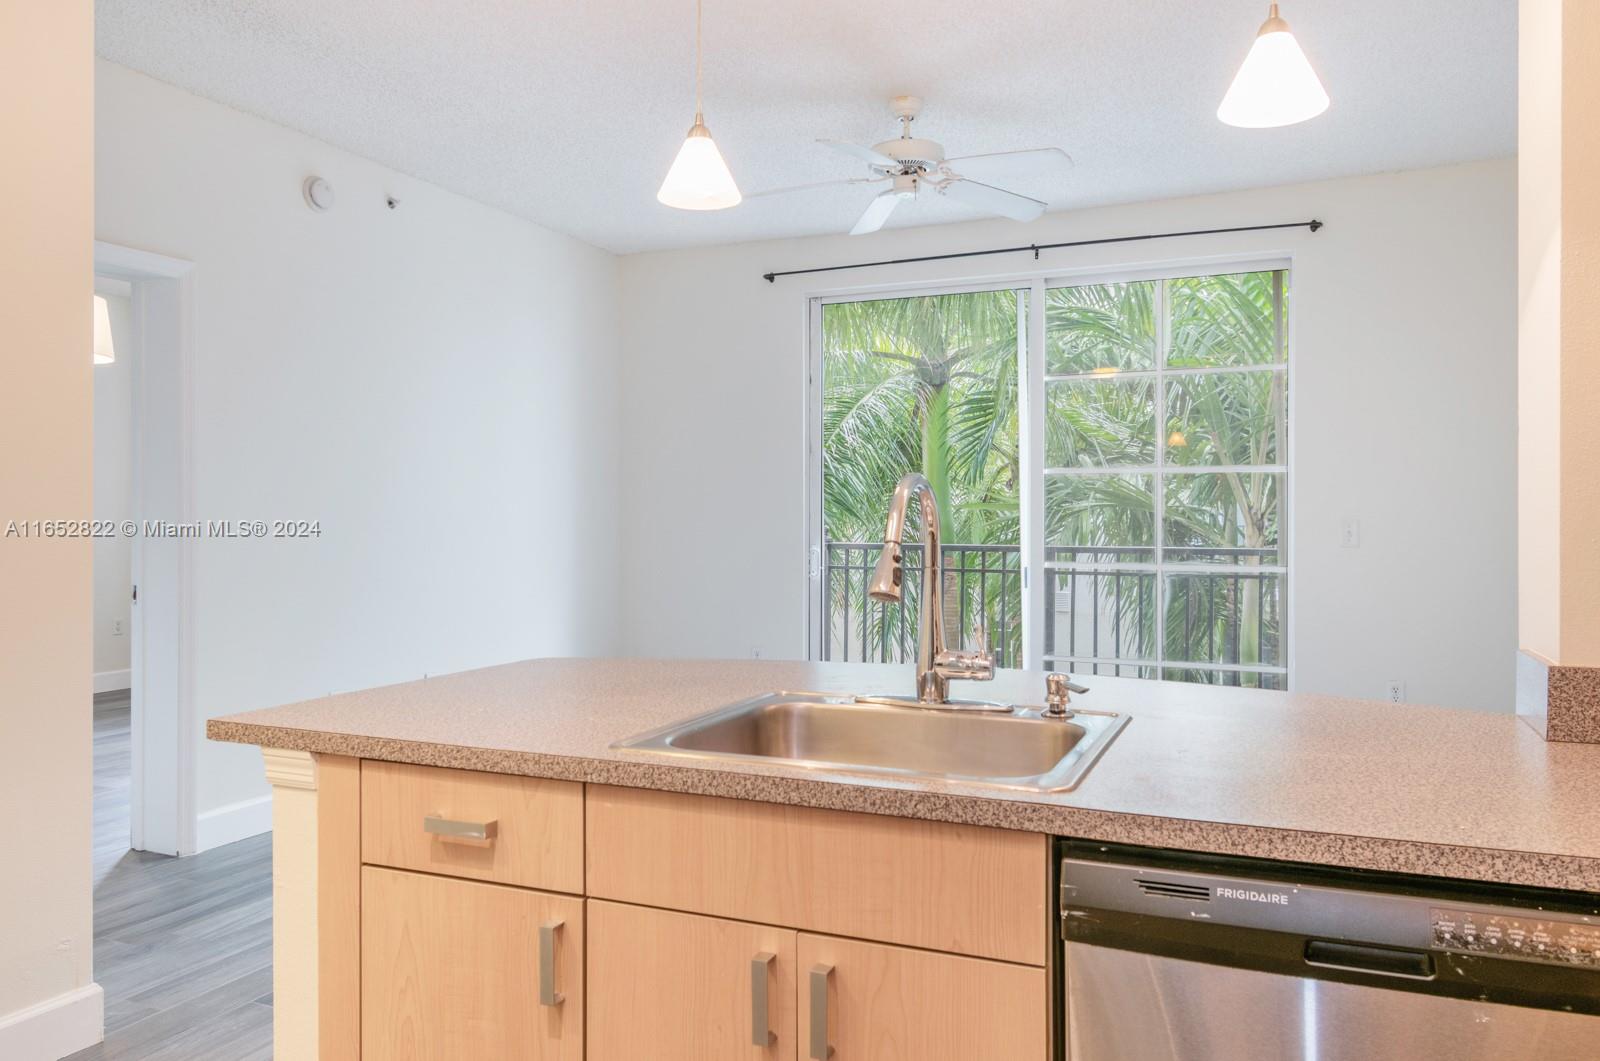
1223 625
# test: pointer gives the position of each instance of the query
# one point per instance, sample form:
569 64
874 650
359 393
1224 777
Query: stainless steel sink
1016 749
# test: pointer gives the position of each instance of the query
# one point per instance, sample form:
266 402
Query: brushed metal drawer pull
548 995
450 829
820 1050
761 1033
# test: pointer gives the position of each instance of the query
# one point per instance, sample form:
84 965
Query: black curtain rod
1313 225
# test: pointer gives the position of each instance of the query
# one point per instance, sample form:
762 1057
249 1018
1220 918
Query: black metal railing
1230 616
983 583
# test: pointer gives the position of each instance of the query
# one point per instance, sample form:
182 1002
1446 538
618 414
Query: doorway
115 357
144 718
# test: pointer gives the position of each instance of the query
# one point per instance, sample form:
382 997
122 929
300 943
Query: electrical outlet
1397 691
755 653
118 628
1350 534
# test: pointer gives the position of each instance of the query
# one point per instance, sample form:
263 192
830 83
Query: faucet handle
975 665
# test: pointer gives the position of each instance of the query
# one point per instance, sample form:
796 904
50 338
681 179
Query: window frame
1032 382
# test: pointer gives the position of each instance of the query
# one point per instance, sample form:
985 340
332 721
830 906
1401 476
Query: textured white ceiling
569 113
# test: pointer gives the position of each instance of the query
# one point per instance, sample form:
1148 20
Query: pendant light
104 352
1276 85
699 179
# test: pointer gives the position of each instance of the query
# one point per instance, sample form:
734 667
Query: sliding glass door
1112 457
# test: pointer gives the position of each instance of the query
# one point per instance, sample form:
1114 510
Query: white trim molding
232 822
110 681
55 1027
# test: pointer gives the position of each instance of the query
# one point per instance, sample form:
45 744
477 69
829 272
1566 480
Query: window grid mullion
1163 337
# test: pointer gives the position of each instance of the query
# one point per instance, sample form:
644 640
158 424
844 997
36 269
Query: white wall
435 384
113 500
49 1004
1404 380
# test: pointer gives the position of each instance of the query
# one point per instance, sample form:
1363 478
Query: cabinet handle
820 1050
450 829
761 1033
548 995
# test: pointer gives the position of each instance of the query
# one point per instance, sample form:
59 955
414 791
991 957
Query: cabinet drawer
956 888
683 987
455 970
864 1001
529 831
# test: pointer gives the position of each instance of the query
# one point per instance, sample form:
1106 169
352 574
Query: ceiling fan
909 164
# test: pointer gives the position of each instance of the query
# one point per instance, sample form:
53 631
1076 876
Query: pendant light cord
699 16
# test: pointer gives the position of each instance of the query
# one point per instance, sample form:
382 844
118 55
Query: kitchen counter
1295 776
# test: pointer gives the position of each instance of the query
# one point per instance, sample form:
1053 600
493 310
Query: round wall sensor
318 193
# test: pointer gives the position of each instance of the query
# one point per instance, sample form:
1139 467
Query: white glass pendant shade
104 352
699 179
1275 85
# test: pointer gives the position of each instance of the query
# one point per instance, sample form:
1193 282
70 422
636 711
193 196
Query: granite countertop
1293 776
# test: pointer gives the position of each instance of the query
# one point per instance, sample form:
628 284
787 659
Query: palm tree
926 383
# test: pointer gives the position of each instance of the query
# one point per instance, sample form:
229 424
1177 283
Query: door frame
162 795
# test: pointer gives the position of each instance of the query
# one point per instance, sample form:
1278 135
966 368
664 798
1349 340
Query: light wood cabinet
957 888
423 817
456 970
872 1002
690 926
680 987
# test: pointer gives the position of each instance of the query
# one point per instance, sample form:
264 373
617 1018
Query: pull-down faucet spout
936 664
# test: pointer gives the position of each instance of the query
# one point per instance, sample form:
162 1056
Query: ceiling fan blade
872 158
877 212
818 184
1028 160
992 200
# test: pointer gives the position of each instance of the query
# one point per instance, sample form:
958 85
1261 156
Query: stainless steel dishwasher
1172 956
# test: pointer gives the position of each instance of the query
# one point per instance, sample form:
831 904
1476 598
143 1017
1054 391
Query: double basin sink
1014 748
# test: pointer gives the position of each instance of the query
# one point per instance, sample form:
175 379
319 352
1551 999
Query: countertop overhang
1307 778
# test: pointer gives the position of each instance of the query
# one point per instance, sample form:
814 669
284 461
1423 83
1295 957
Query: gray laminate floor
183 947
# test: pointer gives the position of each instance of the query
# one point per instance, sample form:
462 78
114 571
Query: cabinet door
873 1002
455 970
682 987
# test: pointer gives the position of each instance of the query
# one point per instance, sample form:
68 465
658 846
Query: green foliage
891 369
930 383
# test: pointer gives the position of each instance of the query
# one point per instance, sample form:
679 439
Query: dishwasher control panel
1555 940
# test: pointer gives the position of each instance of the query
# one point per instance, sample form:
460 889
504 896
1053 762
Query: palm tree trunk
936 455
936 467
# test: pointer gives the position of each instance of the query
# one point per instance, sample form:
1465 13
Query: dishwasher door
1174 956
1128 1006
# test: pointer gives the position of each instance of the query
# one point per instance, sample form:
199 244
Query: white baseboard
233 821
55 1027
110 681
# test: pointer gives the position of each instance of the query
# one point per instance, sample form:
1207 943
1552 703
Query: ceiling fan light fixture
1275 85
699 178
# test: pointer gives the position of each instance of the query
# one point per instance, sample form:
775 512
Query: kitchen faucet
936 664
